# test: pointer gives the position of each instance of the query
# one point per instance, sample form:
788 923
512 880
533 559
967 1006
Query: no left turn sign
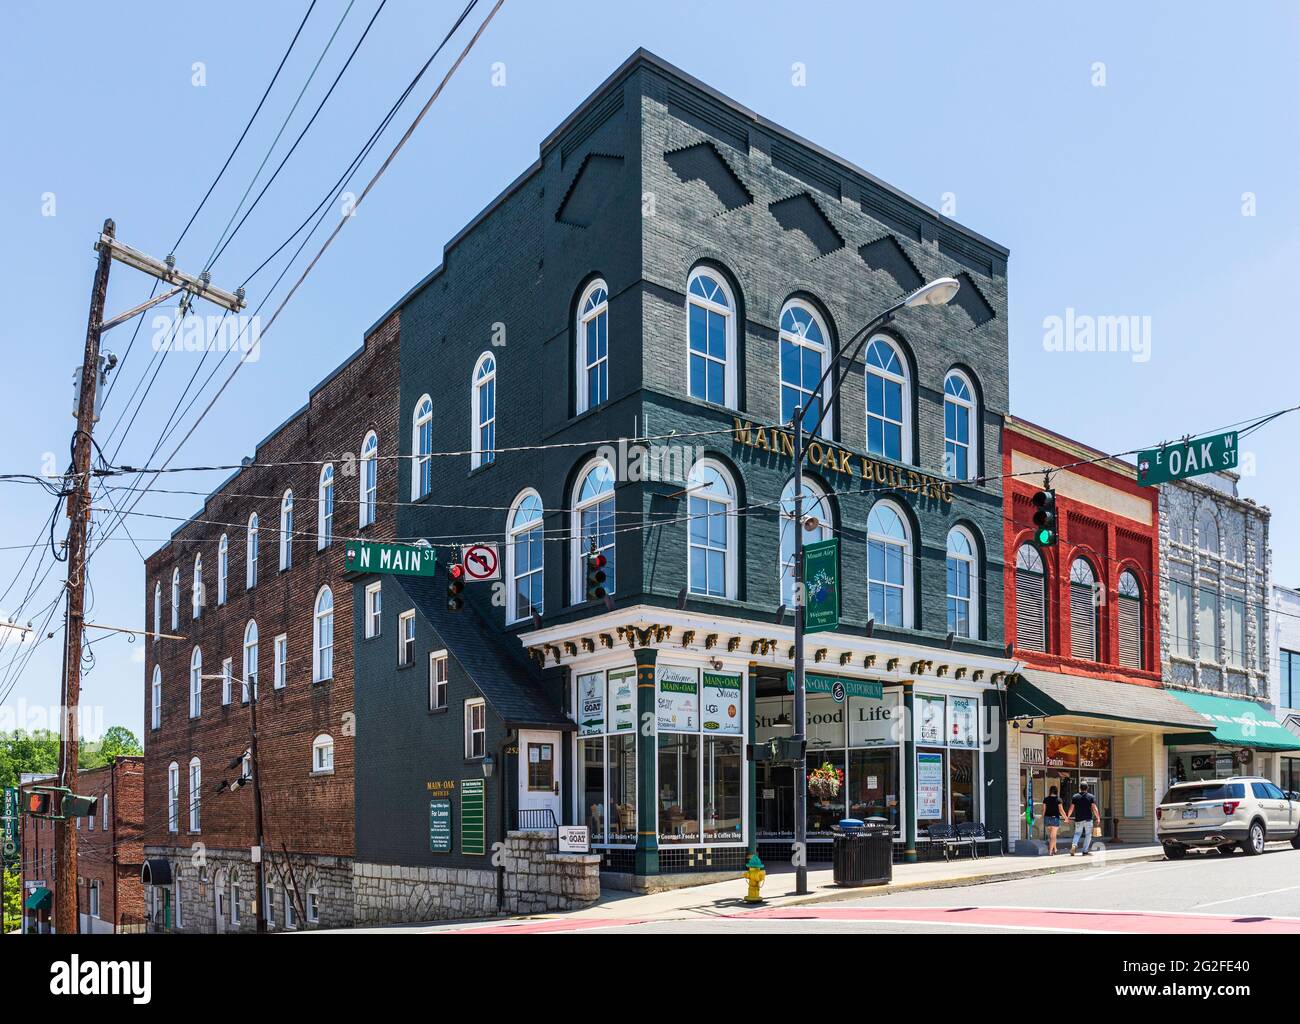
481 562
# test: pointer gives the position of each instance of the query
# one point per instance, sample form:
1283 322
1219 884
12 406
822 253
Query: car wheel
1228 849
1295 840
1254 844
1175 852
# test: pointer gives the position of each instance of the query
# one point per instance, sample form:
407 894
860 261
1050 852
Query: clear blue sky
1117 199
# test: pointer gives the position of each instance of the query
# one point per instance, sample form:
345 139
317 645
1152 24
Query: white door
540 779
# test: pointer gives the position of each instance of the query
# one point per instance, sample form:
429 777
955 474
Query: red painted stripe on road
543 927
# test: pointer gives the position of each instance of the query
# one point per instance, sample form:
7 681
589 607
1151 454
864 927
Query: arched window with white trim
889 401
322 648
1083 611
196 793
1207 531
368 480
483 411
286 531
250 661
593 346
805 354
196 588
963 583
816 507
1031 599
960 426
593 524
223 569
525 557
711 530
422 448
711 338
250 554
173 797
889 566
325 507
176 598
1130 621
196 683
322 753
155 699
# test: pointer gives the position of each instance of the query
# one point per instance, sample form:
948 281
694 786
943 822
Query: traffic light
78 806
455 587
59 803
1045 517
39 803
595 576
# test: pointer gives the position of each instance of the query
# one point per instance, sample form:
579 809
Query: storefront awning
1037 694
40 899
1233 722
156 871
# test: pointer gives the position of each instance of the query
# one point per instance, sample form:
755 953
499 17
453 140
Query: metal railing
536 819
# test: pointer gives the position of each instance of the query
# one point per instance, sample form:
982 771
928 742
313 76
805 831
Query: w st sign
1188 458
398 559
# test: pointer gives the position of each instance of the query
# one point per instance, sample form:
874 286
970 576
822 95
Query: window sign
873 722
591 703
963 717
622 701
1062 751
678 698
825 718
1094 752
720 703
1031 748
929 721
929 785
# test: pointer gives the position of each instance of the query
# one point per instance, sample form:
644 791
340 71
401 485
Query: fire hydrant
755 875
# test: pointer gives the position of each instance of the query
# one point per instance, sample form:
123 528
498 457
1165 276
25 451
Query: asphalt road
1204 893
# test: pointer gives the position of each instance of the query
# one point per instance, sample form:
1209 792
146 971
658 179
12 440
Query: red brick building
110 851
255 583
1083 617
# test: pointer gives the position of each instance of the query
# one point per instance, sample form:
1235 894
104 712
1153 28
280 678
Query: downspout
511 736
112 841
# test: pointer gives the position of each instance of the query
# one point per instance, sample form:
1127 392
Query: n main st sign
398 559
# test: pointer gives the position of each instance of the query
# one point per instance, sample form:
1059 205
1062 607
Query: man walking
1083 806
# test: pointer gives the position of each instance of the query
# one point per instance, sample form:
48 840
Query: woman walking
1051 818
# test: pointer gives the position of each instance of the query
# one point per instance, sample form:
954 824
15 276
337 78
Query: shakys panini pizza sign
842 461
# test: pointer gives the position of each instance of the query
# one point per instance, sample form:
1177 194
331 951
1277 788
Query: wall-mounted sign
821 584
837 686
440 825
1031 748
591 703
441 787
622 700
573 839
472 817
678 698
398 559
720 703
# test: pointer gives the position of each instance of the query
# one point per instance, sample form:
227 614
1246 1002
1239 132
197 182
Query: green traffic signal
1045 517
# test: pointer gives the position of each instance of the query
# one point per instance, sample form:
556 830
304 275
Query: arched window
1031 599
711 338
815 506
250 662
155 699
1130 621
250 556
422 448
593 524
223 569
483 411
1083 611
805 354
525 557
196 683
176 598
196 589
196 792
889 566
960 427
963 583
369 479
286 531
711 531
173 797
325 507
1207 532
888 401
322 754
593 346
322 648
157 611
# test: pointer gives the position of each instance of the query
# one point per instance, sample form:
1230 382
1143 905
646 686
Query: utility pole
66 920
259 851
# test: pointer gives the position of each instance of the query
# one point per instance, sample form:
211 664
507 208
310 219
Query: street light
935 293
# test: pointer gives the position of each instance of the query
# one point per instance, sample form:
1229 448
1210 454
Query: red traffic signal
38 803
596 563
455 587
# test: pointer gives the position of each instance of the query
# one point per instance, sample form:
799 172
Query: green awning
1038 694
40 899
1233 722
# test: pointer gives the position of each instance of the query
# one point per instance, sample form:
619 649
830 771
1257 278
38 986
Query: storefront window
622 788
605 711
825 808
592 753
679 788
1064 762
723 792
961 783
873 784
947 764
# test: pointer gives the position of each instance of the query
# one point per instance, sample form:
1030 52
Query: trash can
863 852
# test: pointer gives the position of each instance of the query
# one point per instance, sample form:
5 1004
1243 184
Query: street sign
821 574
482 562
398 559
1188 458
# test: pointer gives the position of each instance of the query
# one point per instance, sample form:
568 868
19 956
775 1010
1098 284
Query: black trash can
863 854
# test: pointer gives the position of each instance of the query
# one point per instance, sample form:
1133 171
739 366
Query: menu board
591 703
720 703
622 700
678 699
1062 752
1094 752
929 720
929 785
963 716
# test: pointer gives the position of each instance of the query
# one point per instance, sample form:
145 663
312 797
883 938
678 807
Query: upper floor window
322 753
173 796
593 346
227 680
805 354
176 598
711 337
1031 599
325 507
816 508
1083 611
484 411
960 426
196 792
157 610
196 590
475 728
1130 621
593 524
196 683
374 608
711 547
422 448
437 680
888 401
155 699
223 568
963 583
322 659
250 560
286 530
889 566
406 638
250 660
369 479
525 558
1207 530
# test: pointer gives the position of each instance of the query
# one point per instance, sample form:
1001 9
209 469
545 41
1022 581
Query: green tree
118 741
13 913
22 751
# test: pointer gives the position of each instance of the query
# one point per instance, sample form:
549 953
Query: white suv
1242 811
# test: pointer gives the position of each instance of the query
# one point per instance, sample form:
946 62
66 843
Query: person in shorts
1051 818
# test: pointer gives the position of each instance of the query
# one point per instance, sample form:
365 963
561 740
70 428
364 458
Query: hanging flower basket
825 782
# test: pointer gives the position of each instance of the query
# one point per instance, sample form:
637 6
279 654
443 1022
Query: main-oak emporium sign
779 441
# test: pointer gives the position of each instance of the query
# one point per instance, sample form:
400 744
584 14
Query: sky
1137 159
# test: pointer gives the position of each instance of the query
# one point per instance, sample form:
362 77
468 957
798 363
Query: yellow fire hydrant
755 875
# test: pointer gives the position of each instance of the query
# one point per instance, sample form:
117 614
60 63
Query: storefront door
539 772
